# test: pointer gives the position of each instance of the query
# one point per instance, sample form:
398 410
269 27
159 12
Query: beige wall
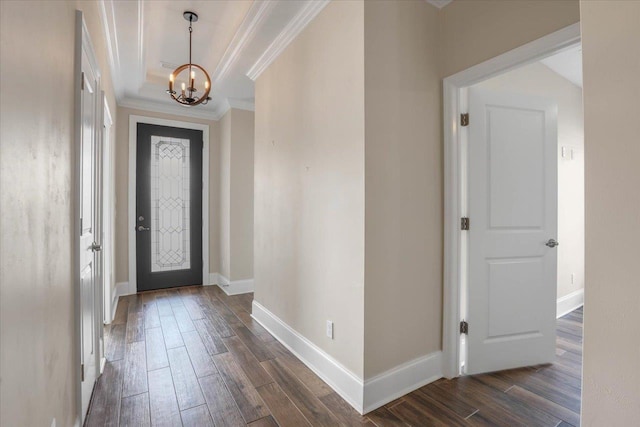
309 183
472 31
403 170
241 231
225 196
236 195
539 80
39 359
611 66
122 187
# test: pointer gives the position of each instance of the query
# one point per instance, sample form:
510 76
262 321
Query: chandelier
188 94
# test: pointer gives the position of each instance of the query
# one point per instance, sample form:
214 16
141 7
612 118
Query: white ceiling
234 40
567 64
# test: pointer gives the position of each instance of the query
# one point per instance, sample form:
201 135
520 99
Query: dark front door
168 207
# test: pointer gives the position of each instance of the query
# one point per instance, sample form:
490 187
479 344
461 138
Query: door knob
552 243
95 247
143 228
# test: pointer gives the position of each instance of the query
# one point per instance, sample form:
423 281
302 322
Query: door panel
169 207
513 212
89 234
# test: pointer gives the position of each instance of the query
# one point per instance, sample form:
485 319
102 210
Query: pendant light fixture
187 75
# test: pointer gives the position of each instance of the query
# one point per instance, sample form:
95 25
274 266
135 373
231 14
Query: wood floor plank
254 326
383 417
222 407
413 416
200 358
135 371
211 340
223 311
164 306
197 417
495 406
115 344
134 411
217 322
433 410
151 316
185 381
257 346
457 406
105 405
344 412
554 391
281 407
156 350
264 422
546 405
162 399
245 358
310 406
249 402
122 310
135 303
304 374
135 326
193 308
172 336
185 324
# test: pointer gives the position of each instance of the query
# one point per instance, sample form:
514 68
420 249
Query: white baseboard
213 279
403 379
234 287
568 303
364 396
344 382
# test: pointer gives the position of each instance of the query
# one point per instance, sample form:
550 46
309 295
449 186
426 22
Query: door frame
133 126
83 44
108 209
455 171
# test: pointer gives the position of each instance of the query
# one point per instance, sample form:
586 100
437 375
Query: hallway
195 357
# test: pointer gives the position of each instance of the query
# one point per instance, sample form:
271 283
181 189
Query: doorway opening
514 188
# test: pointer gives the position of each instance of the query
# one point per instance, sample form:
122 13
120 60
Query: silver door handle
95 247
552 243
143 228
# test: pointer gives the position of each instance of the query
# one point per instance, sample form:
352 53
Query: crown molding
439 3
257 13
241 104
107 18
156 107
286 36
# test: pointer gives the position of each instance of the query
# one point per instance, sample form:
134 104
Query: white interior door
512 186
90 206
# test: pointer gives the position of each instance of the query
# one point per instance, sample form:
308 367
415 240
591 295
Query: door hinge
82 372
464 223
464 327
82 81
464 119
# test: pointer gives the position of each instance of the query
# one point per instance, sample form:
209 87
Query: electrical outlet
53 423
572 278
330 329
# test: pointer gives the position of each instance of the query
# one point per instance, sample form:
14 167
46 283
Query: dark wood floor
195 357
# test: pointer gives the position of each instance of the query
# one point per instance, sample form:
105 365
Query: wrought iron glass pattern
170 214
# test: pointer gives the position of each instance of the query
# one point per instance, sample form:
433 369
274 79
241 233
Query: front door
168 207
512 186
